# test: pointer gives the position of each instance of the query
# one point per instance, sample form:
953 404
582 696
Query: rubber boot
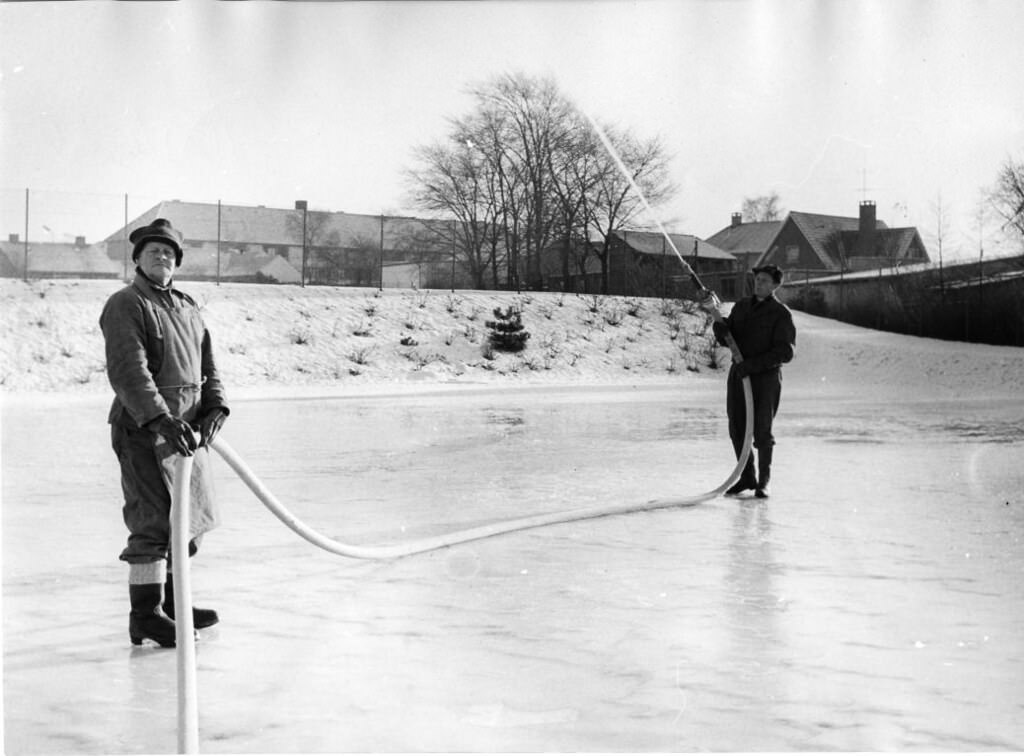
764 472
145 619
747 481
200 617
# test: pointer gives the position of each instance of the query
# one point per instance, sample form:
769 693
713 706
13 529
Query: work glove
210 425
176 432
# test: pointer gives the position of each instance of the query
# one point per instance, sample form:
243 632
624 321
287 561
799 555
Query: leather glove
177 433
210 425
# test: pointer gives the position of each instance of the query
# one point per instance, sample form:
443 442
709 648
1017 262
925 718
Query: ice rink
874 603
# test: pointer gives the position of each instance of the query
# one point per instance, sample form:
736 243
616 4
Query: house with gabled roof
810 244
245 243
746 241
644 264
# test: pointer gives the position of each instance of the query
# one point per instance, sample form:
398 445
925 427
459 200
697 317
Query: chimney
737 219
79 241
12 238
866 228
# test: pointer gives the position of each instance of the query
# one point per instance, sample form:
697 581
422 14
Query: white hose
422 545
188 708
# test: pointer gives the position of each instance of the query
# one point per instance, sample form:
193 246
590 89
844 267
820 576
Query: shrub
614 315
634 307
361 356
506 330
300 336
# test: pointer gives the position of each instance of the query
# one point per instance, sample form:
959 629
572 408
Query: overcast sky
269 102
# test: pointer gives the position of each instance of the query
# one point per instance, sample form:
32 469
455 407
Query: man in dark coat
161 367
766 337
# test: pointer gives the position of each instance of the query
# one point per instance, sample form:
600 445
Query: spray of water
632 183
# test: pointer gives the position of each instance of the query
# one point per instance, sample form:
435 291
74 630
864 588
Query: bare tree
941 215
524 176
612 203
320 237
526 118
763 208
454 180
1007 196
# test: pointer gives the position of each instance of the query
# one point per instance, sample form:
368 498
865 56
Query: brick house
808 245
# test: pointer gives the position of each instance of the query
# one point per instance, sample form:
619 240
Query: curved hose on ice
422 545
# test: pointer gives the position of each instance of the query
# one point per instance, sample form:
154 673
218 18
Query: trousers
766 389
147 500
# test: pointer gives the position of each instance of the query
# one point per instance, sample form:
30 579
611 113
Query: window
792 254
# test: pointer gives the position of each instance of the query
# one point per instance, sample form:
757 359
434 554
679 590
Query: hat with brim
159 230
772 270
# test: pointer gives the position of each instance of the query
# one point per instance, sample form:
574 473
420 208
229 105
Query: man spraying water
763 329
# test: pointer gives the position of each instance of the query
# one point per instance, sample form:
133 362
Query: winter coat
764 333
159 355
160 362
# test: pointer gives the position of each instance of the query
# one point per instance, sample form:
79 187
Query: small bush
614 316
300 336
361 356
506 330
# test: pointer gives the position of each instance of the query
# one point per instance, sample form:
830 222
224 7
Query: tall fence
58 233
975 300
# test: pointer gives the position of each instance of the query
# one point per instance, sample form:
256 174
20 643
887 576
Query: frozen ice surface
874 603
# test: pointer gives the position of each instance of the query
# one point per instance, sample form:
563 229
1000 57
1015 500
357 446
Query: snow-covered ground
874 603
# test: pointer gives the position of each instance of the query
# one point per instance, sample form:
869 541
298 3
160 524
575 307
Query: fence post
124 236
25 272
453 255
218 242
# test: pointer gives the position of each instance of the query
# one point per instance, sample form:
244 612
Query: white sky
266 103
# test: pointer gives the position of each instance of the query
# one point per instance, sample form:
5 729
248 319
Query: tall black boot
145 619
764 472
200 617
747 481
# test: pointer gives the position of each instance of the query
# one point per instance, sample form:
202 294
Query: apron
179 381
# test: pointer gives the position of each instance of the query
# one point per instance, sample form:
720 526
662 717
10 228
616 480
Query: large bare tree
524 176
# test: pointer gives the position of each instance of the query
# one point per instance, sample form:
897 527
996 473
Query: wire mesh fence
60 233
970 300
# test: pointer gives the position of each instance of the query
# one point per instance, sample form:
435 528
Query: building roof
58 258
653 243
891 243
271 226
818 228
746 237
202 262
